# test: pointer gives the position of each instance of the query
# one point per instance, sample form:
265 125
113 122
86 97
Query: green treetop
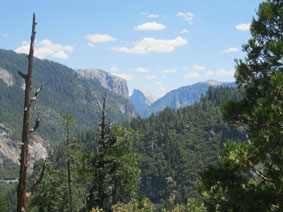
250 176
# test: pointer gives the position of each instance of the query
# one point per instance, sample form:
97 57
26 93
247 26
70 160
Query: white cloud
144 13
184 31
209 73
168 71
224 72
232 49
141 70
150 77
150 26
4 35
192 75
197 67
100 38
163 76
153 16
114 69
243 27
153 45
187 17
162 89
91 45
46 48
124 76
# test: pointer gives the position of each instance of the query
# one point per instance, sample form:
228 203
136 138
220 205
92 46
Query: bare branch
24 76
36 93
37 122
261 175
39 178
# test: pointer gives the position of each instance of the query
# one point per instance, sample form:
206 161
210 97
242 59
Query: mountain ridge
183 96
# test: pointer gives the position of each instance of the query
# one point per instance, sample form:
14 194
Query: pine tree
111 171
250 176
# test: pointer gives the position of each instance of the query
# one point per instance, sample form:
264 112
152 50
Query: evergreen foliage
250 175
177 145
65 92
110 171
3 203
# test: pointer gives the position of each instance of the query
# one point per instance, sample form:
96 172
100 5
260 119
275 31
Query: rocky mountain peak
142 99
212 82
107 80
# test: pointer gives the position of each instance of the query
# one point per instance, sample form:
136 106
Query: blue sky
157 45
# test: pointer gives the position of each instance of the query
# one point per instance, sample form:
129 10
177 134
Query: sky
156 45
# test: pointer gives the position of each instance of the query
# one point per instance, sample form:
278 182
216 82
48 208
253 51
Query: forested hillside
177 145
64 92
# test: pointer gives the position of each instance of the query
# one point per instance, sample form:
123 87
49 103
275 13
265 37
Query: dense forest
223 153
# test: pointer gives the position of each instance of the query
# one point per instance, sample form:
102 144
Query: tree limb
24 76
39 178
37 122
37 92
261 175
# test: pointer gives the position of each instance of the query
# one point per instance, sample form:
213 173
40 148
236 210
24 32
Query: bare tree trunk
69 169
22 187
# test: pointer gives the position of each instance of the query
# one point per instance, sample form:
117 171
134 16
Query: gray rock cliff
141 99
107 80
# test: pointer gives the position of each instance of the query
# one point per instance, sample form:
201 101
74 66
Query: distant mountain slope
178 144
183 96
107 80
141 99
65 92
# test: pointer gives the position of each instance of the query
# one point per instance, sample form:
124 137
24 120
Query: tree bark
69 169
22 187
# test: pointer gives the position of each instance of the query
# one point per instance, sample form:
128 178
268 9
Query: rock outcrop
10 148
6 77
107 80
142 99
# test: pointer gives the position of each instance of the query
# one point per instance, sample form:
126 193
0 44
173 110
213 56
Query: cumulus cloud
141 70
232 49
114 69
150 77
3 35
168 71
144 13
91 45
150 26
153 16
197 67
209 73
184 31
192 75
124 76
153 45
188 17
161 88
46 48
243 27
100 38
224 72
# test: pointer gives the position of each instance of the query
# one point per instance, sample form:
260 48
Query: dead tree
22 187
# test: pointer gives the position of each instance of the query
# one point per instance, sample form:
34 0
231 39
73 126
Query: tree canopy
250 176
